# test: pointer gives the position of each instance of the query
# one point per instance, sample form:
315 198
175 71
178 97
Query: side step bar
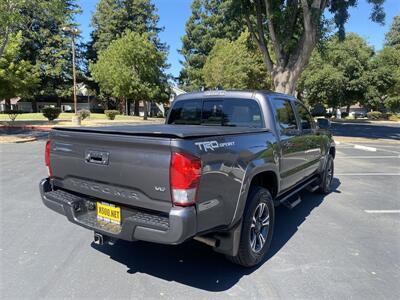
292 202
286 198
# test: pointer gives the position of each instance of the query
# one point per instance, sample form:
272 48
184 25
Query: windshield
217 112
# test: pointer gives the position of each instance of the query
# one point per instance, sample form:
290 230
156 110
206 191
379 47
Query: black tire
325 186
249 254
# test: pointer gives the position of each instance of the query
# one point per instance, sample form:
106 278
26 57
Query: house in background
13 102
85 101
356 110
155 108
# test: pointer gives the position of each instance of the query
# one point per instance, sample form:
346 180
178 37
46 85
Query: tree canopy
132 68
235 65
113 17
392 37
337 76
18 77
287 31
210 20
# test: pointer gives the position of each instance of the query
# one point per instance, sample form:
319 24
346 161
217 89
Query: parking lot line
368 157
383 211
367 174
366 148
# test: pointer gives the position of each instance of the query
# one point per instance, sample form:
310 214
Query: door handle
97 157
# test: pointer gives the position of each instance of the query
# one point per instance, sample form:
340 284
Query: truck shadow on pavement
197 265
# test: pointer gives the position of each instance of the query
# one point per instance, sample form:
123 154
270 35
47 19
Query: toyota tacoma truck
214 172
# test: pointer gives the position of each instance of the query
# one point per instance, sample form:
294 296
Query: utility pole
74 32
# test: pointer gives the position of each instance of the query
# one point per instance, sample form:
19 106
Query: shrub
344 115
394 117
111 114
13 114
375 115
328 115
83 114
51 113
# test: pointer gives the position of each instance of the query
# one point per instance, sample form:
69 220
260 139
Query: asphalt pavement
343 245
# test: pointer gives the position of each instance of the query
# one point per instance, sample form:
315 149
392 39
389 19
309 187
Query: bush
111 114
394 117
375 115
344 115
12 114
51 113
83 114
328 115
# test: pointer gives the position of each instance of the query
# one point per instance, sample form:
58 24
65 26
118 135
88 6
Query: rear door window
306 120
285 116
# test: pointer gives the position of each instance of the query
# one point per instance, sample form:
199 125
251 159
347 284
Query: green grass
63 116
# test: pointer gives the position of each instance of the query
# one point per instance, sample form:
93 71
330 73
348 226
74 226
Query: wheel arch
266 177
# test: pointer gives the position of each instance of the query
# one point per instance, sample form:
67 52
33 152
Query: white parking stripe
383 156
367 174
360 147
392 211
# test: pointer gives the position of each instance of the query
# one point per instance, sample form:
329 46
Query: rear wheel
257 228
327 176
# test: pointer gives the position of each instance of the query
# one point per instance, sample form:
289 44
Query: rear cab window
217 112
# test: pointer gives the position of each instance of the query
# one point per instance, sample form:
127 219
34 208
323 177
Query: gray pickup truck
214 172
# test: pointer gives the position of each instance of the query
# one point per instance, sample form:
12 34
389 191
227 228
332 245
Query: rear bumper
175 228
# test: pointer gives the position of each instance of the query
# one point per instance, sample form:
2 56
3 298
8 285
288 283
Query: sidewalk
23 131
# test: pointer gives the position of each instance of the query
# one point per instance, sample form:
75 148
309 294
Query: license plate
108 212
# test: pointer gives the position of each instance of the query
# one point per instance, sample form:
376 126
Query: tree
235 65
383 77
20 15
43 42
210 21
113 17
287 31
132 68
337 76
392 38
17 76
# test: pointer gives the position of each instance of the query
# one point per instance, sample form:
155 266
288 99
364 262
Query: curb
19 141
27 127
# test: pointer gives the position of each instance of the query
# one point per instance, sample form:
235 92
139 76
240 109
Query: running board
313 188
287 195
292 203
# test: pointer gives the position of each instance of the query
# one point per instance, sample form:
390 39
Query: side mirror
323 123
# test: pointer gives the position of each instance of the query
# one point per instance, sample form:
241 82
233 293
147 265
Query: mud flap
229 241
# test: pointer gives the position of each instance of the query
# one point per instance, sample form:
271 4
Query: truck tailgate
130 170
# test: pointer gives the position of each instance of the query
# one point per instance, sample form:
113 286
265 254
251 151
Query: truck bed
165 130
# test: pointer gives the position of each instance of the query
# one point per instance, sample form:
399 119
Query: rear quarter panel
226 173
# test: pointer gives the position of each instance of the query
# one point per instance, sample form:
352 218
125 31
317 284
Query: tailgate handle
97 157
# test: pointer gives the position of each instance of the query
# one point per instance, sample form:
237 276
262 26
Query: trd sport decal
212 145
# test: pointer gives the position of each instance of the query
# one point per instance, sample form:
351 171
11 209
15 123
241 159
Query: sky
174 14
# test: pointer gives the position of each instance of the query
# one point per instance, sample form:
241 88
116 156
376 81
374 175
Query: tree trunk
285 81
128 108
136 108
145 113
34 105
7 104
122 106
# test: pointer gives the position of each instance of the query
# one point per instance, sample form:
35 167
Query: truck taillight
185 174
47 157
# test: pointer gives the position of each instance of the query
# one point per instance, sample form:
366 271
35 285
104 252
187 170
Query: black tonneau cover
165 130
